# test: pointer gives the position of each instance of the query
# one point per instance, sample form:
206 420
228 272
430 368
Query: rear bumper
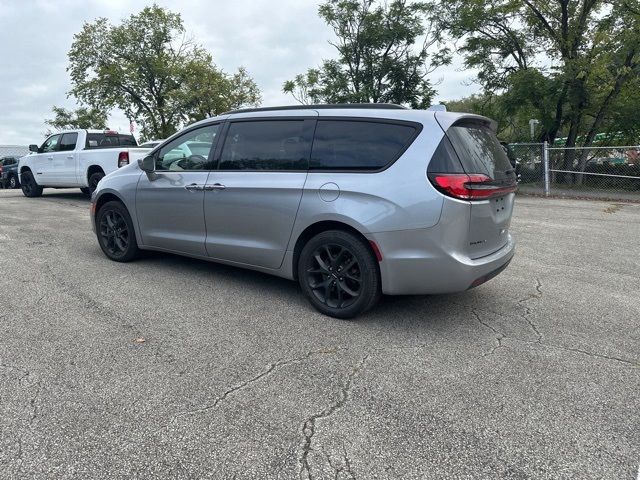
414 263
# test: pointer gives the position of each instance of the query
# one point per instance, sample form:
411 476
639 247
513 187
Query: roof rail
380 106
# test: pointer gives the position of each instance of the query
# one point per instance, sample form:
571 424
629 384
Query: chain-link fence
594 172
13 151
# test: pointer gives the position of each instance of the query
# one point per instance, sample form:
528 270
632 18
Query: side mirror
147 164
33 148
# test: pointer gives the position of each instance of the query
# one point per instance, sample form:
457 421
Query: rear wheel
29 186
13 182
94 179
339 274
86 191
116 235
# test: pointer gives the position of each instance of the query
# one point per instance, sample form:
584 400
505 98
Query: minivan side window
68 142
190 151
358 145
266 145
50 144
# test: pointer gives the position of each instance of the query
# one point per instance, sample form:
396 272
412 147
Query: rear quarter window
479 150
104 140
359 145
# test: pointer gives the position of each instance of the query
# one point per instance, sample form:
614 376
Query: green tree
80 118
382 56
569 60
145 66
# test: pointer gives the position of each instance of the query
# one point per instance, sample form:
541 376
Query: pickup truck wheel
116 235
13 182
94 179
29 186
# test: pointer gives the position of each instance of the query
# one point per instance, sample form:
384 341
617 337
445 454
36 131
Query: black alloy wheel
94 179
334 276
29 186
339 274
115 232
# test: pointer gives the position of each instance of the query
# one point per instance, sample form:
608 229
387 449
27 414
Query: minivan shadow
401 310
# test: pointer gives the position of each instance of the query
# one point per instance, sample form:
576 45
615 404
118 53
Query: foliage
147 67
568 63
81 118
382 56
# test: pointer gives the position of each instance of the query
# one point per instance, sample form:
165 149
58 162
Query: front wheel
339 274
29 186
116 235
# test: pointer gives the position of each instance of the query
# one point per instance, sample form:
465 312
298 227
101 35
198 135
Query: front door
44 160
252 199
170 201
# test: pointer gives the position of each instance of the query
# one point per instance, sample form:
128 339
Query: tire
94 178
115 232
13 182
86 191
339 274
29 186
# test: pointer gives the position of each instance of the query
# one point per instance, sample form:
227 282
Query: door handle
70 157
215 186
49 158
194 187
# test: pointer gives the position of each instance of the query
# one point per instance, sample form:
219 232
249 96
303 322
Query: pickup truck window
68 142
106 140
50 144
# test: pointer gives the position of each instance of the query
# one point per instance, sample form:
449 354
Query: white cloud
274 40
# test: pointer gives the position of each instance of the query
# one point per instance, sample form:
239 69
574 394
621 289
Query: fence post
545 158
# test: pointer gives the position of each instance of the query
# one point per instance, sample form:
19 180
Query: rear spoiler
447 119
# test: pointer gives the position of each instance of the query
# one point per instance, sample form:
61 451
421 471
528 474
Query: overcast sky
274 40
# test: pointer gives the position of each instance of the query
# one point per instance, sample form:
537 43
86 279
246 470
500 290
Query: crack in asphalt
338 469
499 335
309 425
267 371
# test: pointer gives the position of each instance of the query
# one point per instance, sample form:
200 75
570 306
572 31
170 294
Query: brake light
1 169
110 133
123 159
469 186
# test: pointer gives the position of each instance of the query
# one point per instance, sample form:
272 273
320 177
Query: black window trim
212 154
312 119
389 121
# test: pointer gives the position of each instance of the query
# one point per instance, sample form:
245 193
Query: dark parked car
9 172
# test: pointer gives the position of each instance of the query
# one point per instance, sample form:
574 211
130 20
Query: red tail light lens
123 159
469 186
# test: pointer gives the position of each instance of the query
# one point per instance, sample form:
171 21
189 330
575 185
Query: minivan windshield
480 151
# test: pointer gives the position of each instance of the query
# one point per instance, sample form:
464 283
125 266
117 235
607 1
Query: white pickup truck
76 158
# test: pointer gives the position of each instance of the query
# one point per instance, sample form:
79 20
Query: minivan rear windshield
107 140
479 150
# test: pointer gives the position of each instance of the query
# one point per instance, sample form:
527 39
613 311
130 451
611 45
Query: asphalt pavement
170 367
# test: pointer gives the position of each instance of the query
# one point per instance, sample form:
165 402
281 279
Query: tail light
123 159
1 169
469 186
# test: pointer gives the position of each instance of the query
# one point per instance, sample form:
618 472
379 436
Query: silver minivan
352 201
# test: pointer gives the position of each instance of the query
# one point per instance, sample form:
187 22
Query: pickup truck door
43 161
64 161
